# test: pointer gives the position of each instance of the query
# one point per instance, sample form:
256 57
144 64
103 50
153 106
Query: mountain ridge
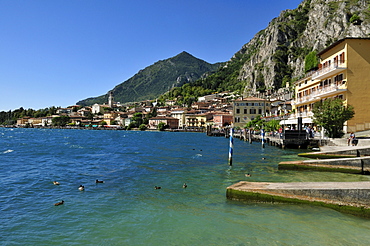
156 79
275 56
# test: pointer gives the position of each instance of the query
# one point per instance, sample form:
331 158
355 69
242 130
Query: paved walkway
342 148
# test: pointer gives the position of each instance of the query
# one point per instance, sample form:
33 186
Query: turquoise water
127 210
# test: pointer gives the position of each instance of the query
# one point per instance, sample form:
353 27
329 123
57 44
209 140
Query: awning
306 120
289 122
295 121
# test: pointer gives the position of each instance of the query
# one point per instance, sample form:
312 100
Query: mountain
273 57
156 79
276 55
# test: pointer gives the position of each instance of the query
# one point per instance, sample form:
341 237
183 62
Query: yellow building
109 117
197 120
249 108
344 72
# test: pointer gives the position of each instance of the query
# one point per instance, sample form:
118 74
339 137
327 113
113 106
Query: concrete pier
339 159
348 197
358 165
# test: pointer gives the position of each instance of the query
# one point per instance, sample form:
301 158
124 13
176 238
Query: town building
179 113
247 109
195 121
110 117
97 108
221 120
343 73
171 122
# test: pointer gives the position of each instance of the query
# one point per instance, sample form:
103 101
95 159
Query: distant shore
99 128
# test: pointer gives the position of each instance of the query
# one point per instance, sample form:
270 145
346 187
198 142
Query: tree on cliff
331 114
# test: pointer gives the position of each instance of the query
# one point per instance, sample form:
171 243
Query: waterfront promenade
347 197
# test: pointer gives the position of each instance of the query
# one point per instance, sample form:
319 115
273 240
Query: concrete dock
348 197
352 159
358 165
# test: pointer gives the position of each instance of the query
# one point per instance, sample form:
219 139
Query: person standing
351 138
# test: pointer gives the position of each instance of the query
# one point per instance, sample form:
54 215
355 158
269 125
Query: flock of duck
158 187
80 188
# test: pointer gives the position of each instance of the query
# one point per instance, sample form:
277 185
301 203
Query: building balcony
329 70
319 94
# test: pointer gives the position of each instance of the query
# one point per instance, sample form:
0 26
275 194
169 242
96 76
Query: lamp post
284 108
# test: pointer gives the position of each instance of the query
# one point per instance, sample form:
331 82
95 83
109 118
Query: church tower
110 99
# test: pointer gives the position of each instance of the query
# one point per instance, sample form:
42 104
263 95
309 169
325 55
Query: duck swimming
184 185
157 187
56 183
99 181
81 188
59 203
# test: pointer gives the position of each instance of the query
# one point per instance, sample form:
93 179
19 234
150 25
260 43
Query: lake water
127 210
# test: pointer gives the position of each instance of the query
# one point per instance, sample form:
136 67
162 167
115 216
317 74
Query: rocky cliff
276 54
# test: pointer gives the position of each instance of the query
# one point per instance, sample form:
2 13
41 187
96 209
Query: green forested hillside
158 78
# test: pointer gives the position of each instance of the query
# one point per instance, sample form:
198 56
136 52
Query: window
245 111
237 119
237 111
341 58
259 111
340 77
252 111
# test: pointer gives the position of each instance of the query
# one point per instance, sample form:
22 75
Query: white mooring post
231 147
263 138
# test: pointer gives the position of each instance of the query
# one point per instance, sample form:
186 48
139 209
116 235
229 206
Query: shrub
355 19
162 126
142 127
311 61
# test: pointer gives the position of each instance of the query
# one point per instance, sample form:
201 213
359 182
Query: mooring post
263 138
362 166
250 135
231 147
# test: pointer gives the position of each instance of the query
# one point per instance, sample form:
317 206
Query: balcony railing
316 95
329 70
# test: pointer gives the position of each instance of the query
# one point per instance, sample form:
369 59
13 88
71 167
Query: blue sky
55 53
